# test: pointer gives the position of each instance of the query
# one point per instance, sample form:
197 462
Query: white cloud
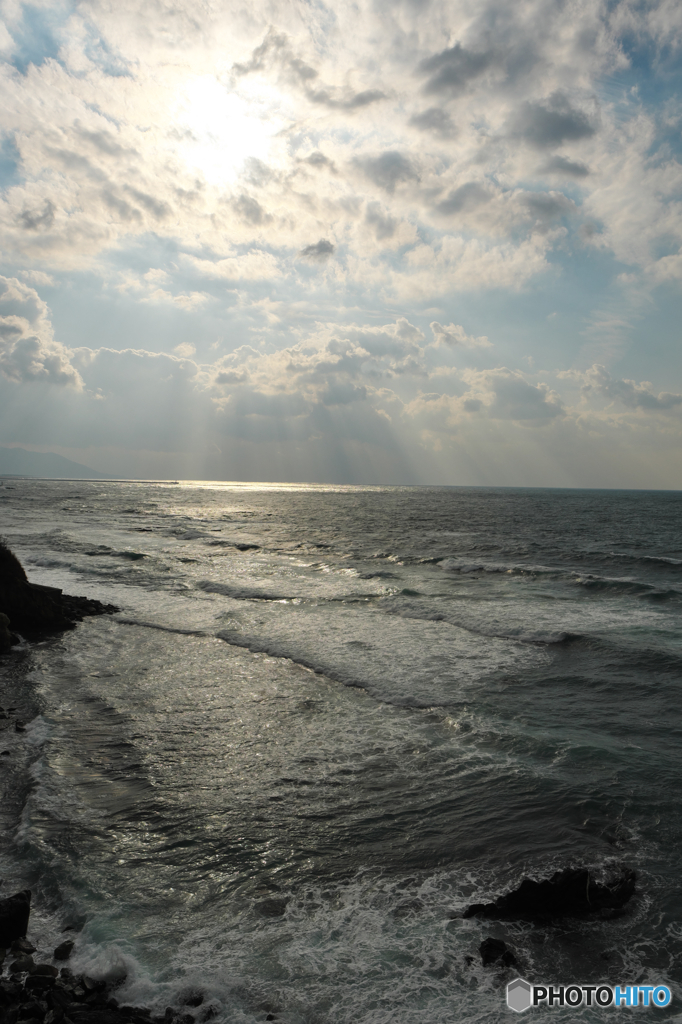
632 394
28 350
454 334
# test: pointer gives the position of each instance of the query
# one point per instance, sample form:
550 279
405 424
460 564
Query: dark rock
570 893
4 753
63 951
19 726
35 1009
32 608
38 982
193 999
23 946
23 965
6 639
14 913
494 951
48 970
272 907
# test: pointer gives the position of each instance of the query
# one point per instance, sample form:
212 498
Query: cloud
508 395
454 335
434 120
250 266
35 219
383 225
568 168
552 123
466 197
276 51
28 351
451 70
319 251
547 207
631 394
388 169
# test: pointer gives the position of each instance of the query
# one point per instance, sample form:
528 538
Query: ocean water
325 721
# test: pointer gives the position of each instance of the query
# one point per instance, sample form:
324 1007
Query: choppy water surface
327 719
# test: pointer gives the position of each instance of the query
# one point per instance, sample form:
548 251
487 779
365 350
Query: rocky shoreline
34 610
48 993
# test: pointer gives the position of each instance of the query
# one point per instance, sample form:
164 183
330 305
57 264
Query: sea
327 719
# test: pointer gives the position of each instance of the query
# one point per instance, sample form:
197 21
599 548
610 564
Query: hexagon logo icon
518 995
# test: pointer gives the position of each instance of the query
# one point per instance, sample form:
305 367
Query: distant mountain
19 462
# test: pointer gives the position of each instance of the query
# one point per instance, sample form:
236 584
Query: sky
400 242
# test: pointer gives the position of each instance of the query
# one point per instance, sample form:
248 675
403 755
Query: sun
221 129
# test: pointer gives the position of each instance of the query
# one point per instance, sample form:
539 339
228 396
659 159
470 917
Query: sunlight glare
223 129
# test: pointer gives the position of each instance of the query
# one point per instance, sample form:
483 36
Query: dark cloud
466 197
355 101
546 207
250 210
552 123
434 120
321 250
516 399
124 210
104 142
318 159
276 50
256 172
231 377
156 207
628 391
388 169
33 220
381 222
451 70
570 168
274 43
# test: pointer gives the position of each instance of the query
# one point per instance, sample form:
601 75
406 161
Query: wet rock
496 952
14 914
570 893
193 999
63 950
48 970
19 726
272 907
6 637
32 608
24 965
22 945
38 982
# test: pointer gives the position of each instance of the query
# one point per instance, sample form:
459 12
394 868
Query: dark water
325 720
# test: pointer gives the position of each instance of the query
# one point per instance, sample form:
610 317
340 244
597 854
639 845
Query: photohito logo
521 995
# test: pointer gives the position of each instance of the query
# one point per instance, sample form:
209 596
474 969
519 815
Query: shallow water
327 719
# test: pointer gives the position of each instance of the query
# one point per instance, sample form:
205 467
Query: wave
589 581
542 638
240 593
162 628
233 544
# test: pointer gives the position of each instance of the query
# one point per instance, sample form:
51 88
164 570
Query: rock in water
570 893
6 638
14 913
32 608
63 951
494 951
